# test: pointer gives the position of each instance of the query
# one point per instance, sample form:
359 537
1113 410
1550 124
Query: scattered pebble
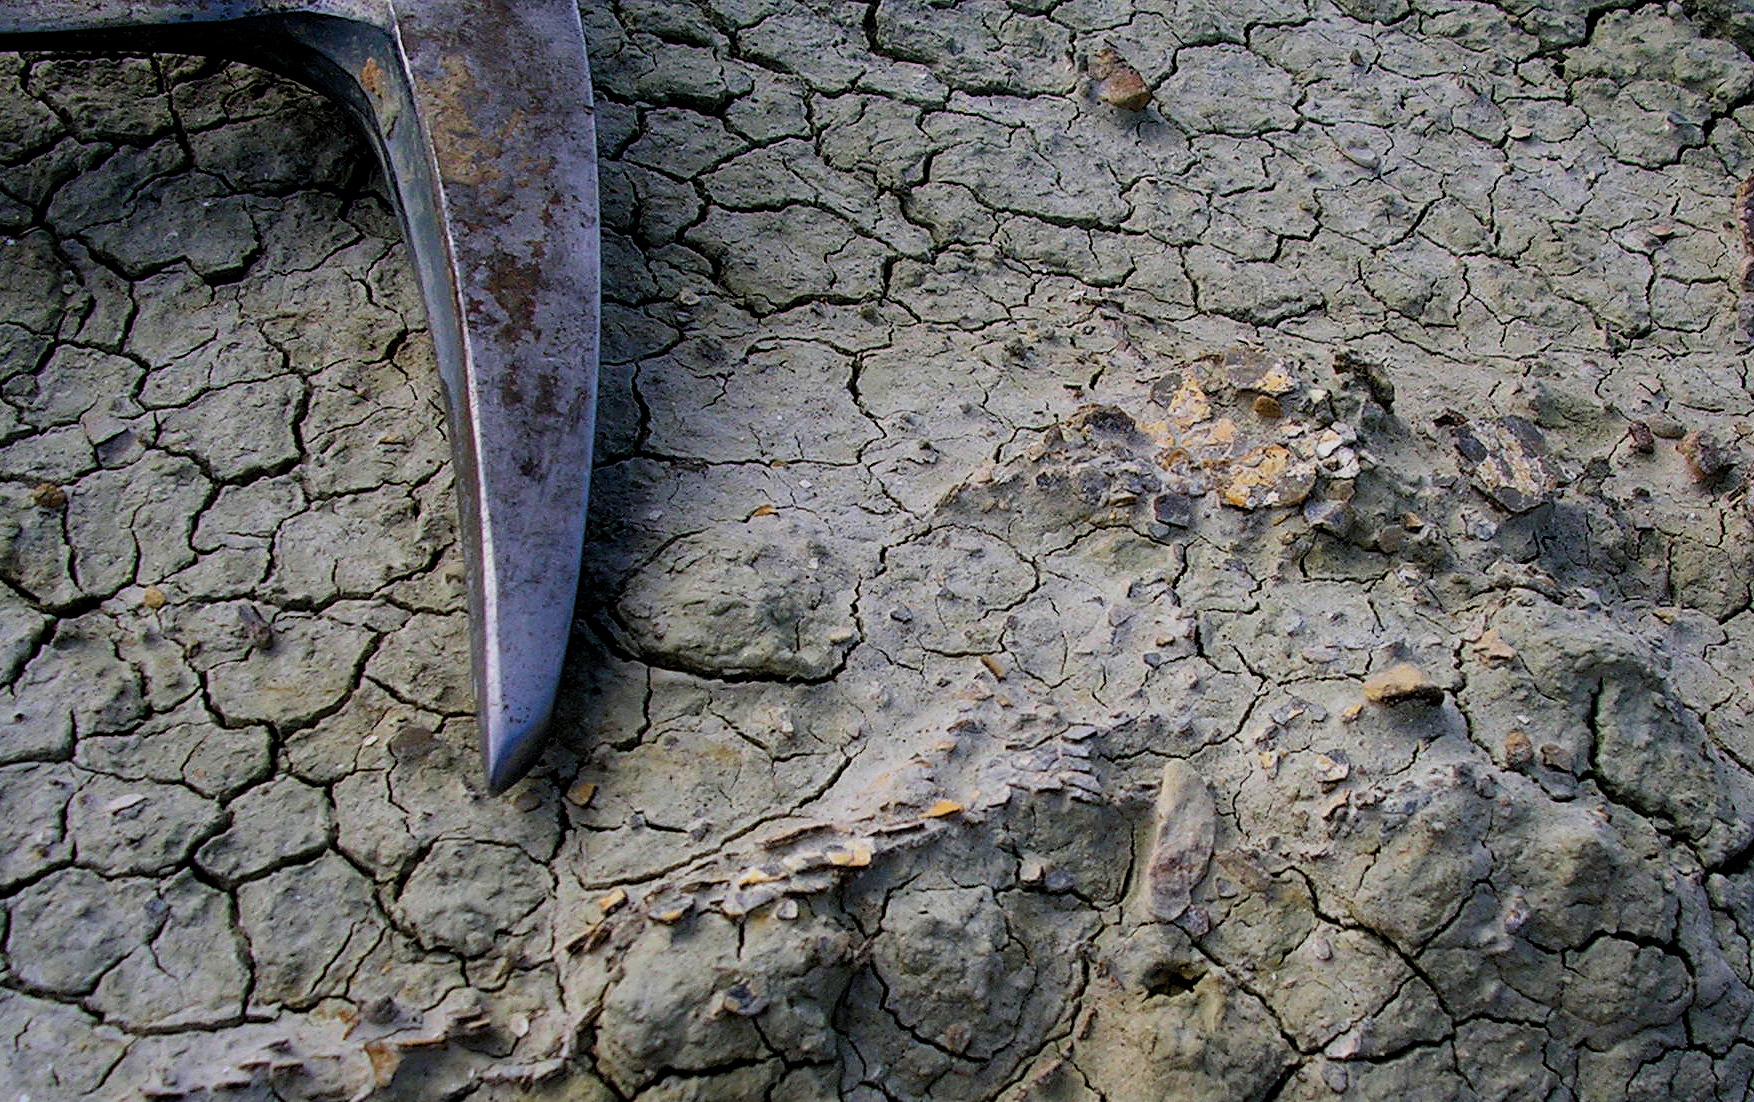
412 741
1174 510
153 599
1554 756
1369 372
1518 750
1117 83
1400 683
257 632
670 911
1666 428
740 1000
1493 649
385 1059
1327 514
1196 921
1706 455
1252 369
381 1010
1640 438
1334 1075
1330 772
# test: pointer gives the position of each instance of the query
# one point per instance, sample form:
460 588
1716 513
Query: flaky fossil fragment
1508 460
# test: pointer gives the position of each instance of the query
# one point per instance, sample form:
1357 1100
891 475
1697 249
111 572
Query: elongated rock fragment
1181 851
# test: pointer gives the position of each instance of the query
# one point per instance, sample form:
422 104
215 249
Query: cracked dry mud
1244 599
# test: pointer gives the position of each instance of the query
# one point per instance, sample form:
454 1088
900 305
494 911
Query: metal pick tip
508 755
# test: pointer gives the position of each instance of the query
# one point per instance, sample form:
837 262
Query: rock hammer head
481 113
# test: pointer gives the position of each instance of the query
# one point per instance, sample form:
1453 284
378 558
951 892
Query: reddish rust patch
465 155
514 285
371 78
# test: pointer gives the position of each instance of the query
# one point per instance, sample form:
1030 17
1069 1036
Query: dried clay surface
1139 551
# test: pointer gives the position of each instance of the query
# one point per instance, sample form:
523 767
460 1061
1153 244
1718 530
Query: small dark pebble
1666 428
381 1010
1103 421
1641 439
1196 921
1330 516
743 1002
1374 376
257 632
1175 510
412 741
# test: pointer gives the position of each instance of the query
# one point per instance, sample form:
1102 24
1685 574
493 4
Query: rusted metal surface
481 111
